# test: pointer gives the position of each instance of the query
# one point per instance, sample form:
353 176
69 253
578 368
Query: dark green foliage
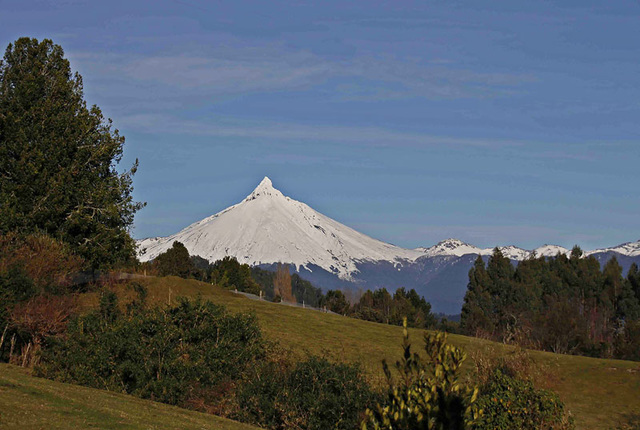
427 393
58 158
306 293
337 302
15 287
312 394
627 344
509 403
477 310
172 355
174 262
380 306
109 311
229 273
561 304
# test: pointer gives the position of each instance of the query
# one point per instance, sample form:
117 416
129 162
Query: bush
312 394
185 355
427 394
509 403
15 287
47 262
33 269
508 396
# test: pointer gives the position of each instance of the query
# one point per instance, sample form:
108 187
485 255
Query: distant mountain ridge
267 228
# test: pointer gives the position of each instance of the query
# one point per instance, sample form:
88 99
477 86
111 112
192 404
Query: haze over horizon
510 124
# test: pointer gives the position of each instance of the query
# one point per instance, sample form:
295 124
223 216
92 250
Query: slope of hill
599 392
27 402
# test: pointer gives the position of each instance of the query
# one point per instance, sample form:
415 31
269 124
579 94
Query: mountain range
268 227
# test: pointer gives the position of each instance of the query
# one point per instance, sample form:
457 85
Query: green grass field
34 403
600 393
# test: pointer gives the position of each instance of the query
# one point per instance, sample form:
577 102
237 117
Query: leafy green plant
315 393
428 393
510 403
186 355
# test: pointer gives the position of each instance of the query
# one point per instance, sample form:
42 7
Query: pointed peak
264 188
265 183
451 241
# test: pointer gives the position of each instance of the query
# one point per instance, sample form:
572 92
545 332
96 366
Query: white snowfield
268 227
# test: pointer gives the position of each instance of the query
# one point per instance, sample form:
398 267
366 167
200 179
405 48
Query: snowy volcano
268 227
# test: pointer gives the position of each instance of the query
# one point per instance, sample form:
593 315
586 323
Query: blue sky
514 122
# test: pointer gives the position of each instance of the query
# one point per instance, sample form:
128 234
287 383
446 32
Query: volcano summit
268 227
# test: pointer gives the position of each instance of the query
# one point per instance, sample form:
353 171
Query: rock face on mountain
267 227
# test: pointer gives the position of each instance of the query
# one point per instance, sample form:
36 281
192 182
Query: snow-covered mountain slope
451 247
458 248
551 251
630 249
268 227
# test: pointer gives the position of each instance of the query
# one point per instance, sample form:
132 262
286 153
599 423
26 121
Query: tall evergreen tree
477 310
633 277
58 158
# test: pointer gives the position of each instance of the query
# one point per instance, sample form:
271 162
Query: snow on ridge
551 251
514 253
458 248
450 247
630 249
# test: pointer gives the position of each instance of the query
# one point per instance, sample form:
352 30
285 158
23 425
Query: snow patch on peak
514 253
451 247
550 251
264 188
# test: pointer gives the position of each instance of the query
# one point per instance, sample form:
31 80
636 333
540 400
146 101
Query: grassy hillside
599 392
34 403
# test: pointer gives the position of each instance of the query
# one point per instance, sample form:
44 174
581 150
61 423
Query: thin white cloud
239 67
234 128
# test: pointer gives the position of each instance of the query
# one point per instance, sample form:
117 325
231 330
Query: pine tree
58 158
477 310
174 262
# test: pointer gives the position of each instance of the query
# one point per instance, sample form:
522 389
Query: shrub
178 355
509 403
427 394
509 398
46 261
36 319
312 394
15 287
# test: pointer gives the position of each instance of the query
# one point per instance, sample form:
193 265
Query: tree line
565 304
282 285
